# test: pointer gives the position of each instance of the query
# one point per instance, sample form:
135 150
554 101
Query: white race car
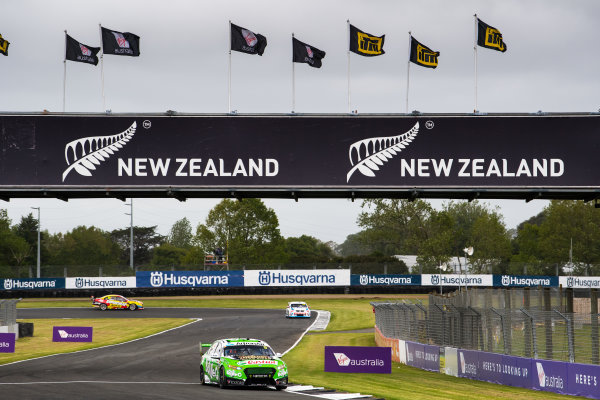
297 309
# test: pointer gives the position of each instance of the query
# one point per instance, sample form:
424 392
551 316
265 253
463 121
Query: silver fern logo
370 154
83 155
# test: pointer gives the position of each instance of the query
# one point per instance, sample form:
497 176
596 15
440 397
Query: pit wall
551 376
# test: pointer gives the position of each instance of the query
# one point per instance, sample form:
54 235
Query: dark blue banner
33 283
157 279
525 281
385 280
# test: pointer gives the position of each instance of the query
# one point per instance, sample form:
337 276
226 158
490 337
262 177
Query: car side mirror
278 355
204 347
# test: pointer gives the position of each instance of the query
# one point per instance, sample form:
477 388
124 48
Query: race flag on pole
120 43
304 53
489 37
80 52
423 55
246 41
4 46
365 44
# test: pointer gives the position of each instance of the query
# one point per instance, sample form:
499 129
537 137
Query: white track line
304 333
104 347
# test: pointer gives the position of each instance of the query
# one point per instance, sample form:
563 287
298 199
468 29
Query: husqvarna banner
385 280
525 281
456 280
32 283
317 152
580 282
305 277
120 282
158 279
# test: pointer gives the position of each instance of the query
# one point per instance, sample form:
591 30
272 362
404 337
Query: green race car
242 362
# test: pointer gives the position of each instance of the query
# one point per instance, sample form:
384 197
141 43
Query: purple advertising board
518 371
550 376
412 349
7 342
468 364
72 334
584 380
353 359
423 356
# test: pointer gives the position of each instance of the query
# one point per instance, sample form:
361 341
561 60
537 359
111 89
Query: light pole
468 252
130 232
38 241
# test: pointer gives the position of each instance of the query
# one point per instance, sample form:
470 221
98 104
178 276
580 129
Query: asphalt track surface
164 366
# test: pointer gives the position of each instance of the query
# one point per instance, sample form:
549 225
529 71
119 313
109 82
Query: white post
229 79
408 68
348 22
65 73
38 242
293 78
475 56
102 69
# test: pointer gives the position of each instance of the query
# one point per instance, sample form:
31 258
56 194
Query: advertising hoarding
297 277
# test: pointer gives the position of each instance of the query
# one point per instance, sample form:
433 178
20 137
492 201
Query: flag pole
65 73
229 79
475 57
102 69
408 68
293 78
348 23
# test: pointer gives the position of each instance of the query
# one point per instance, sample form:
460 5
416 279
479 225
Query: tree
436 249
306 249
27 229
181 234
354 245
491 242
84 246
144 240
247 230
14 250
167 255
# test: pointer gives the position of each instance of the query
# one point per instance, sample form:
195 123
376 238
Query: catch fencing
8 312
533 323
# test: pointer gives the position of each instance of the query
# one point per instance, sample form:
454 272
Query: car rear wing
203 347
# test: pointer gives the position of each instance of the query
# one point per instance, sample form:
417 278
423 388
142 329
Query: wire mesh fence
536 323
8 312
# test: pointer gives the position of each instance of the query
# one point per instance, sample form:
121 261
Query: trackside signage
308 277
580 282
385 280
33 284
157 279
525 281
423 356
72 334
373 360
456 280
7 342
101 283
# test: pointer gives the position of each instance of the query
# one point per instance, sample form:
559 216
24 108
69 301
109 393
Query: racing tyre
103 307
202 377
282 387
222 382
132 307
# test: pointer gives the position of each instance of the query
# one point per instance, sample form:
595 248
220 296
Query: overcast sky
551 65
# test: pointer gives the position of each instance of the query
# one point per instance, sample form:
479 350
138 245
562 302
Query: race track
164 366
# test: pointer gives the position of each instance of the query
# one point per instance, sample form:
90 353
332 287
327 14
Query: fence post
548 322
530 332
594 316
501 323
488 319
100 271
508 321
65 272
570 335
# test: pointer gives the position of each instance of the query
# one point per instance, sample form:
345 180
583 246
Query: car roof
296 302
242 341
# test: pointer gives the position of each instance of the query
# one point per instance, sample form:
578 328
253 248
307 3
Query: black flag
489 37
120 43
423 55
247 41
80 52
304 53
4 46
365 44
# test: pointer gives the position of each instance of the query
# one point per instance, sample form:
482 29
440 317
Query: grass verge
404 383
106 331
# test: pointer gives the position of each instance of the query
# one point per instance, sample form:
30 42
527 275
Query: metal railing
532 323
8 312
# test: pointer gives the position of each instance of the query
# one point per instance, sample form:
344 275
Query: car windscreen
248 351
297 305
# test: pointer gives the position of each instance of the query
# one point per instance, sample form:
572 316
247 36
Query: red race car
116 302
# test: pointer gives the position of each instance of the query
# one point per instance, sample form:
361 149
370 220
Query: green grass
106 331
404 383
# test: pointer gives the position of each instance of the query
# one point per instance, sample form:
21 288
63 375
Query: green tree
491 242
306 249
247 230
14 250
167 255
436 250
355 245
27 229
84 246
144 240
181 234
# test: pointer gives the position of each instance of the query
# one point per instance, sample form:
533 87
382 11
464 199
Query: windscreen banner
297 277
121 282
456 280
33 283
385 280
158 279
525 281
282 152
